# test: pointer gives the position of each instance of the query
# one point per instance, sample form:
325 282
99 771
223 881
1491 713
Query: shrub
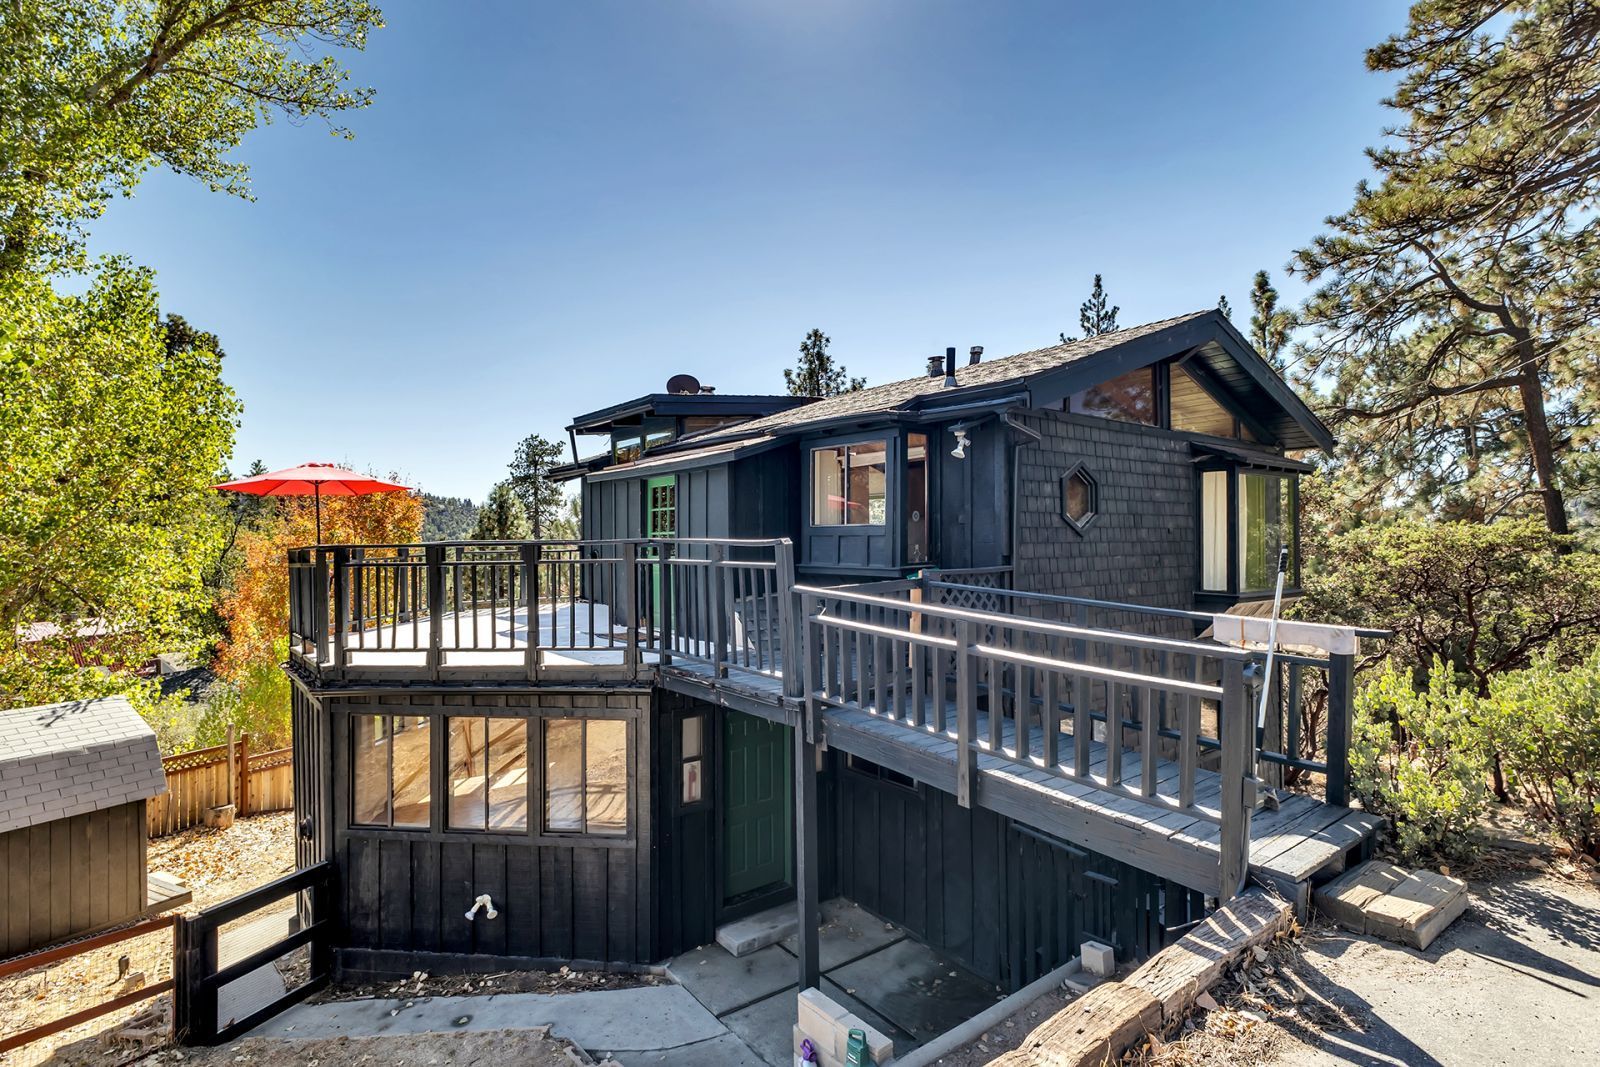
255 702
1418 758
1545 723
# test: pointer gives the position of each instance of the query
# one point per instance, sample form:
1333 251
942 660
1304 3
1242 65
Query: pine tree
502 517
1094 316
1269 325
816 374
1455 319
541 496
1224 307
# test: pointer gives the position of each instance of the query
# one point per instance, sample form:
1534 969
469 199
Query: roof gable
1046 375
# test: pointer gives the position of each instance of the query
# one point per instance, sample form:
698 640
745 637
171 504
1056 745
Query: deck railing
420 609
1125 713
1305 733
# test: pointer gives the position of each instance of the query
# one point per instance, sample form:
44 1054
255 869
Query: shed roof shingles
60 760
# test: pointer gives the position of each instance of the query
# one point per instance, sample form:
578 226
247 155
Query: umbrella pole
316 492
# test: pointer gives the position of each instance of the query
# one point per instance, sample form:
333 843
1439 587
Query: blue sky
550 208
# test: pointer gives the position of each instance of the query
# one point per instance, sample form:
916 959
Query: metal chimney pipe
950 368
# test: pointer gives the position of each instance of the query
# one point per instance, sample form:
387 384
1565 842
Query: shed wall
68 877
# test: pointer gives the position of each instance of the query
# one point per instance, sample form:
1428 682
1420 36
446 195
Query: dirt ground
520 1048
1008 1034
215 865
564 980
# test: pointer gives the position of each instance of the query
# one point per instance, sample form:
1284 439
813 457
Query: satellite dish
683 383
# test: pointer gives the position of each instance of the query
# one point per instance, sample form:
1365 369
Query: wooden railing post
1236 730
341 607
966 710
667 609
1341 716
790 626
720 610
630 598
528 552
810 655
433 574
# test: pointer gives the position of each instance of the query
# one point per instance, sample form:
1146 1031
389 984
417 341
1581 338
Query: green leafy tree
1269 324
502 517
110 437
1096 315
1455 313
95 92
530 480
816 374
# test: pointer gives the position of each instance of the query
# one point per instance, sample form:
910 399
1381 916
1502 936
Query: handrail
1116 637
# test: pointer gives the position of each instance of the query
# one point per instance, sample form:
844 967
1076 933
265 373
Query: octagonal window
1079 498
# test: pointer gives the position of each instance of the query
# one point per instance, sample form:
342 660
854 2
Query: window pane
1195 411
917 550
1214 530
607 764
466 753
627 447
412 793
563 774
1130 397
693 786
867 467
692 728
827 486
370 754
1266 522
508 774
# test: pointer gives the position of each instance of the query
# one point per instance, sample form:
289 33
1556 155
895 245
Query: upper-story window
849 484
1265 507
1194 410
1130 397
630 442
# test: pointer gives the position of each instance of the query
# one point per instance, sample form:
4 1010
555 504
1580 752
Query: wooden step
1410 907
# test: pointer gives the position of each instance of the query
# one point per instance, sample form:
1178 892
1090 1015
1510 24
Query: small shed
74 779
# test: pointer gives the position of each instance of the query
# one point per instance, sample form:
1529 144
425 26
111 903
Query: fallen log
1099 1026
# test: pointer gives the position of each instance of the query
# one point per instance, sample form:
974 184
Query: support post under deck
807 859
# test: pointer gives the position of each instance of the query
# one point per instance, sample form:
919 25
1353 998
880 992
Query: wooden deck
1301 839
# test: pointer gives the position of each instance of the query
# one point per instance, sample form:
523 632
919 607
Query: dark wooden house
74 779
949 647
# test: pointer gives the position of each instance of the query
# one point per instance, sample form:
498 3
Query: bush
255 702
1545 723
1418 758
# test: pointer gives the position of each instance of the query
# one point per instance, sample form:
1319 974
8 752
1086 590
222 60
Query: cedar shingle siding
1140 546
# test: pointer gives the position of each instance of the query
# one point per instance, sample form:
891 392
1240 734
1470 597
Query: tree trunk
1539 445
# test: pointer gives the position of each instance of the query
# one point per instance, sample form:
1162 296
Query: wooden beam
807 860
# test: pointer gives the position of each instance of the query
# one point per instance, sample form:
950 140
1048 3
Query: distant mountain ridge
447 518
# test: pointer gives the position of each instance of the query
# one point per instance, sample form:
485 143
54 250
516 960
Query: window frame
892 482
1236 590
1081 471
387 718
584 833
488 747
438 827
683 760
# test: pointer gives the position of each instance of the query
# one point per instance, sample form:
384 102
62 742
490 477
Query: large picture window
1195 410
849 484
1130 397
1266 523
488 775
586 776
391 786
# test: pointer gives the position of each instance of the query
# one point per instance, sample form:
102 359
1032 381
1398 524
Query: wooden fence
205 778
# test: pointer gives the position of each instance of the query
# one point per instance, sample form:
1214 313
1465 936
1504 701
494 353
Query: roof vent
707 390
683 383
974 354
935 366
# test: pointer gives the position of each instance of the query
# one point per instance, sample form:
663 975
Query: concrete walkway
901 987
647 1024
1516 980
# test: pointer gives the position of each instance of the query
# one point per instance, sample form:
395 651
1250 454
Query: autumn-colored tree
256 609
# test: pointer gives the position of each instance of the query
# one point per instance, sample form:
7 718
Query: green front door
660 521
756 847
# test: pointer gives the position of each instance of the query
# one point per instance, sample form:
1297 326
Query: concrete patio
900 986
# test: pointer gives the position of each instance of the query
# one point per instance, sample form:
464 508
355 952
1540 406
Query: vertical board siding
409 892
67 877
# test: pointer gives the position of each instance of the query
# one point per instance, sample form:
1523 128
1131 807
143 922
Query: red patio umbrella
313 480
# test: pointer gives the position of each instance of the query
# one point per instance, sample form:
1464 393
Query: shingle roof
895 395
59 760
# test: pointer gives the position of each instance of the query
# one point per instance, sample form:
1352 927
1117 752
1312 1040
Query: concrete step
756 932
1377 898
